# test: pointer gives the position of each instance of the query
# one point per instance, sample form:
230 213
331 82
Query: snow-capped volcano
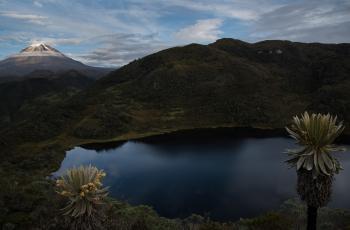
39 49
41 56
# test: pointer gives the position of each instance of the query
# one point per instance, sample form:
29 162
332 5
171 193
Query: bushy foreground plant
313 161
86 196
315 134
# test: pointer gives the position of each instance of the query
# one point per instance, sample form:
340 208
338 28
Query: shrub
86 196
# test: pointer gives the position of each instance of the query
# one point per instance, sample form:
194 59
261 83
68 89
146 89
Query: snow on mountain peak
39 49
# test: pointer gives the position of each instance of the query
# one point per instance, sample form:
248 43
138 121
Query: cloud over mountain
202 31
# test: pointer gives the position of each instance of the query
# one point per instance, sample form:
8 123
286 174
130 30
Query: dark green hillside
227 83
38 89
306 66
192 86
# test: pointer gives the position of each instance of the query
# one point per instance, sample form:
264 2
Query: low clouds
119 49
202 31
57 41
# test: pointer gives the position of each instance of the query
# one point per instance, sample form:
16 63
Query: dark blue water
223 177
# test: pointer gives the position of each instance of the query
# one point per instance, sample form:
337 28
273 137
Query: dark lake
222 176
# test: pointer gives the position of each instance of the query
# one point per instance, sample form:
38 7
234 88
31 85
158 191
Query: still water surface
223 177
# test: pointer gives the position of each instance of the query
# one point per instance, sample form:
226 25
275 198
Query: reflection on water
224 177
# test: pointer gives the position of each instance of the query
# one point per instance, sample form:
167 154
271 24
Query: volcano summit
40 56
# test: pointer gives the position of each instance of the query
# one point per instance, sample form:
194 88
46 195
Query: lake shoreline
237 132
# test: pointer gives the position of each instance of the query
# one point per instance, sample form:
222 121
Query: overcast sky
114 32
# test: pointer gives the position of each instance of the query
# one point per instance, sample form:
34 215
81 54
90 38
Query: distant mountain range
229 83
42 57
